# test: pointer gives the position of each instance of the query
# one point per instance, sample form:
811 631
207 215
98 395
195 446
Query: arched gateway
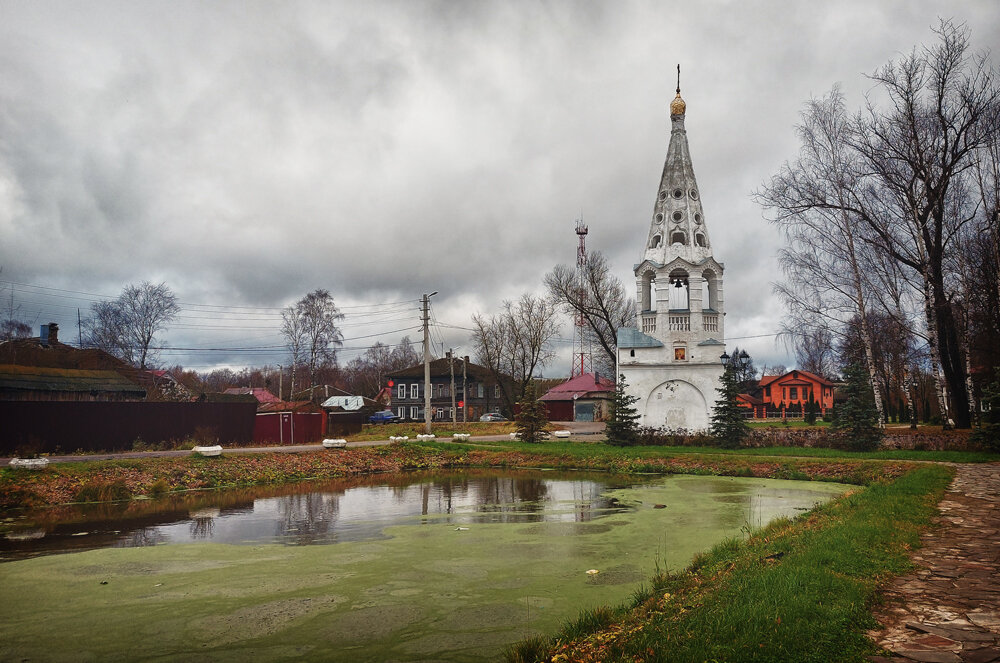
670 359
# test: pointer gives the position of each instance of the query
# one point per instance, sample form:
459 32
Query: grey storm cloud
247 153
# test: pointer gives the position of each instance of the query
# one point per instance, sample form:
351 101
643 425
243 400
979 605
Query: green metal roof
630 337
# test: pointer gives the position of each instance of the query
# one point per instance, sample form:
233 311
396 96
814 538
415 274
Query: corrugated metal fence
42 426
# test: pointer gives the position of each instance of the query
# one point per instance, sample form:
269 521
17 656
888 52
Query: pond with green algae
403 568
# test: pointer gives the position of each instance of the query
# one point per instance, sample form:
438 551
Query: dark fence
345 423
51 426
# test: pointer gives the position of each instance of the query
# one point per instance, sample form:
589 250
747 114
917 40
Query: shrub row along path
948 610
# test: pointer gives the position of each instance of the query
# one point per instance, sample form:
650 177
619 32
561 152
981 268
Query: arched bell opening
679 291
648 288
710 290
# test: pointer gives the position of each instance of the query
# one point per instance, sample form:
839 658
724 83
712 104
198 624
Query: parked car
492 416
382 417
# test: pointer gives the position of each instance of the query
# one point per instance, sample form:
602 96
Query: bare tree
367 374
311 332
825 286
815 353
292 328
901 188
127 326
516 342
12 326
944 107
605 304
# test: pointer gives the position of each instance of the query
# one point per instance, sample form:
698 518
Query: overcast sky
246 153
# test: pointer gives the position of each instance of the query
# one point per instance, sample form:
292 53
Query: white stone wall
676 395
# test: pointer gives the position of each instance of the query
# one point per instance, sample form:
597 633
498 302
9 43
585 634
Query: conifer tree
729 426
623 424
531 418
857 417
811 410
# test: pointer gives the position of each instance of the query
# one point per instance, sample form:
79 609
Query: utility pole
465 393
79 326
451 365
427 362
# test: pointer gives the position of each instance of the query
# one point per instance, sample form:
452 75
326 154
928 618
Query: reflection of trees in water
306 518
202 527
145 536
512 499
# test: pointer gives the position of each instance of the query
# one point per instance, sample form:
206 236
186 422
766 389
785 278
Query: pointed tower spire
678 224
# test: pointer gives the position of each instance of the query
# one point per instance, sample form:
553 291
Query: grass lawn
593 449
443 429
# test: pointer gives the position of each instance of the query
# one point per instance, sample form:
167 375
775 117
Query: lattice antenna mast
582 359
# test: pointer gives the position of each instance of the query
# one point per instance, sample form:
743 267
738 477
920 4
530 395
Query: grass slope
795 591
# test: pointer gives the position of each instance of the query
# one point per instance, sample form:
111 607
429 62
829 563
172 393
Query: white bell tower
670 360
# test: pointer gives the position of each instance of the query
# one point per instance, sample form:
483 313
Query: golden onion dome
677 106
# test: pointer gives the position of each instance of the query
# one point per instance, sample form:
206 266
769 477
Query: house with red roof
790 392
583 398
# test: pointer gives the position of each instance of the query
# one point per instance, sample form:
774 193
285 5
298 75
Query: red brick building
791 391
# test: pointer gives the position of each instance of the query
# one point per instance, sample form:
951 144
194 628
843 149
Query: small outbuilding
296 422
586 397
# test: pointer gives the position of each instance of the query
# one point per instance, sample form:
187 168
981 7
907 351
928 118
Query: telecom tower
581 349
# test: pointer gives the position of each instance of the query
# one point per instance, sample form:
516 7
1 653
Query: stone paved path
948 610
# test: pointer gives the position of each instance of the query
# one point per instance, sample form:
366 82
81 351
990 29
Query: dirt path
948 610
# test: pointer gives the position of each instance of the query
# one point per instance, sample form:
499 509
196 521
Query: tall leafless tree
366 374
127 326
604 302
809 200
516 342
815 353
311 332
943 109
932 112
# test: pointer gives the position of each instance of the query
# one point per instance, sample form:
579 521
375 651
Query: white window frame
414 412
496 391
401 412
480 390
401 391
414 390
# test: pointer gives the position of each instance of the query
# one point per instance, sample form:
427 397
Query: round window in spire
677 216
697 217
694 194
678 193
663 195
659 218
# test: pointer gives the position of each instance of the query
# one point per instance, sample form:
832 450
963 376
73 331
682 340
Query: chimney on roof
597 378
53 333
43 335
